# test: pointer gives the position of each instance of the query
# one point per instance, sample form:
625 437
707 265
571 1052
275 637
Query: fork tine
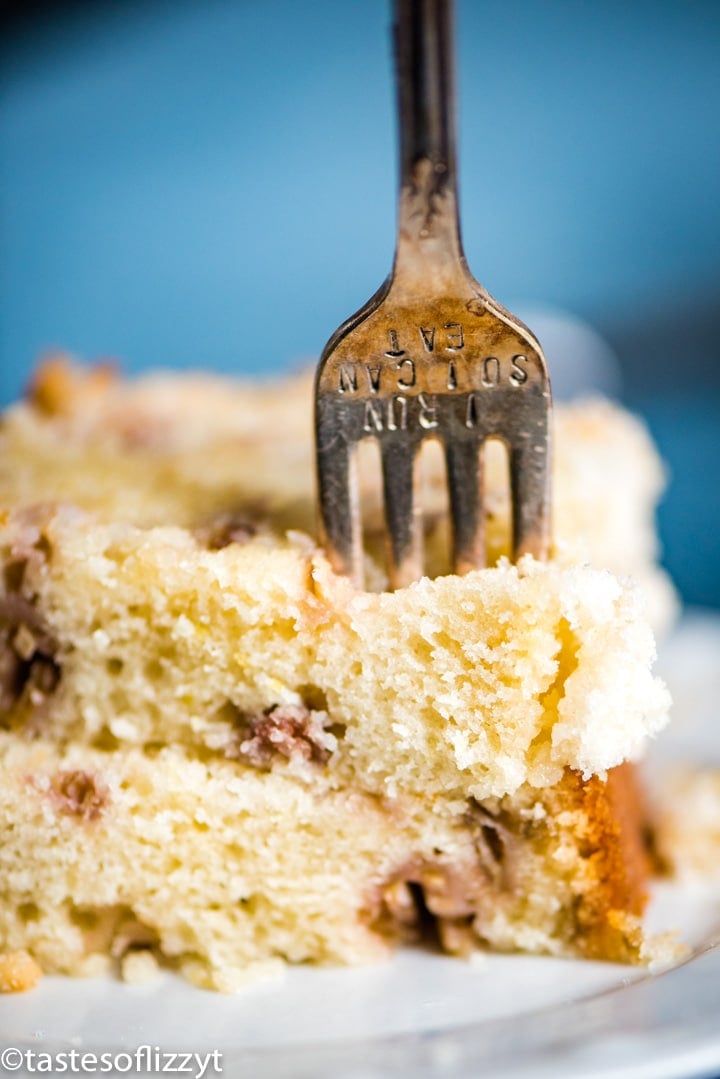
529 485
340 505
405 559
465 480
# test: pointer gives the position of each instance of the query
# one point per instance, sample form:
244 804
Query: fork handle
423 58
428 225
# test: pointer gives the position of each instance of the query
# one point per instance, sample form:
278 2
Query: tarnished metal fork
431 355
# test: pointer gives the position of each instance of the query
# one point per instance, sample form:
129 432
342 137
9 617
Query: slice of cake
218 755
686 831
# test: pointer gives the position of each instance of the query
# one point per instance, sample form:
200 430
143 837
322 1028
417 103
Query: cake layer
190 450
455 687
217 870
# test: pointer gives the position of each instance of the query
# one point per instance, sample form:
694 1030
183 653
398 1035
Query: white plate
423 1014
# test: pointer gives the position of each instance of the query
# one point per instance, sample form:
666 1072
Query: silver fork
432 354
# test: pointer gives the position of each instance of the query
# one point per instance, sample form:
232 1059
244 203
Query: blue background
213 185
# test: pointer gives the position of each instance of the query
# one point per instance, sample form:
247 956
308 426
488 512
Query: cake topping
58 382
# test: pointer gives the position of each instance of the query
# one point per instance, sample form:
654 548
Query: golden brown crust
616 861
627 801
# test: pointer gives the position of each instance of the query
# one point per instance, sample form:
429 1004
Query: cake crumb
139 967
18 972
231 979
662 951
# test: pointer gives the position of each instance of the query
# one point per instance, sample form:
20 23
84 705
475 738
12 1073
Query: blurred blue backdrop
213 185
